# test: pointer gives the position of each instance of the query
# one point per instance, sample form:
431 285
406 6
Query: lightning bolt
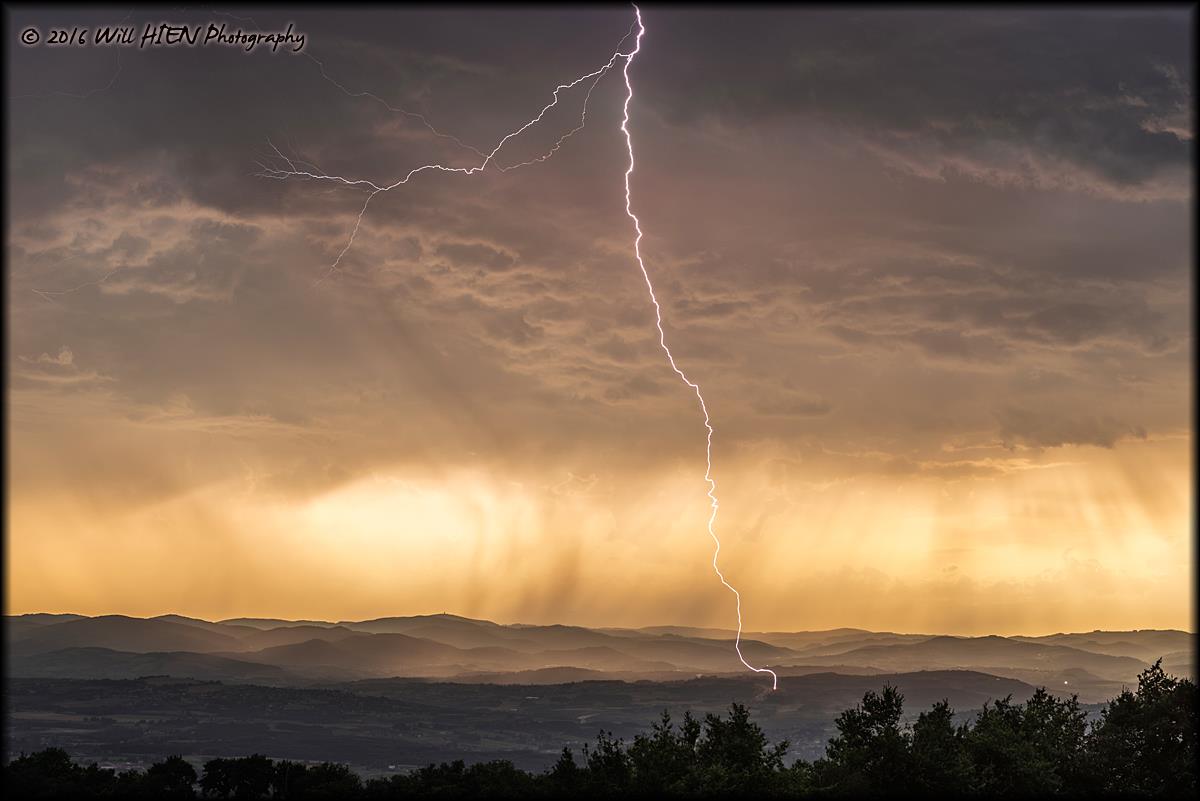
292 171
662 341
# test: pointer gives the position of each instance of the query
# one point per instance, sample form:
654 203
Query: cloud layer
908 255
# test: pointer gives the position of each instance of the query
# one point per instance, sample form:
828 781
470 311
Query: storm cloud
940 260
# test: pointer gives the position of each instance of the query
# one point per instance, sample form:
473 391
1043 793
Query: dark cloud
1052 98
1076 323
470 254
1040 429
793 233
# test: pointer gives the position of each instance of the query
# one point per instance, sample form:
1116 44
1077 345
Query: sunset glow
945 341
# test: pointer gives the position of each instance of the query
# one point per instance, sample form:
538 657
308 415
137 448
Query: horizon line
731 632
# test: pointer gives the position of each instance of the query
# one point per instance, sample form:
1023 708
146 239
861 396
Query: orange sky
945 342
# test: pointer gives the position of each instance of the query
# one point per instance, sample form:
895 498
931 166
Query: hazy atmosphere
941 316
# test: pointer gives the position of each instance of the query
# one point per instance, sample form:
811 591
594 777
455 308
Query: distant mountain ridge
453 647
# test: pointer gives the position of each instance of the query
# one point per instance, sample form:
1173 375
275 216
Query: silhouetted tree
870 752
217 780
288 778
565 777
608 765
447 779
663 760
499 779
245 777
1145 742
50 773
939 758
798 781
496 779
1057 730
1030 749
327 780
735 755
174 777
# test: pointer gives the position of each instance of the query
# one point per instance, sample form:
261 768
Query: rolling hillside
458 648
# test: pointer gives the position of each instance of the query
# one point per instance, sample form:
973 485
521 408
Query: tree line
1143 743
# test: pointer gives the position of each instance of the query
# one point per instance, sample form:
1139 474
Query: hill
1094 664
